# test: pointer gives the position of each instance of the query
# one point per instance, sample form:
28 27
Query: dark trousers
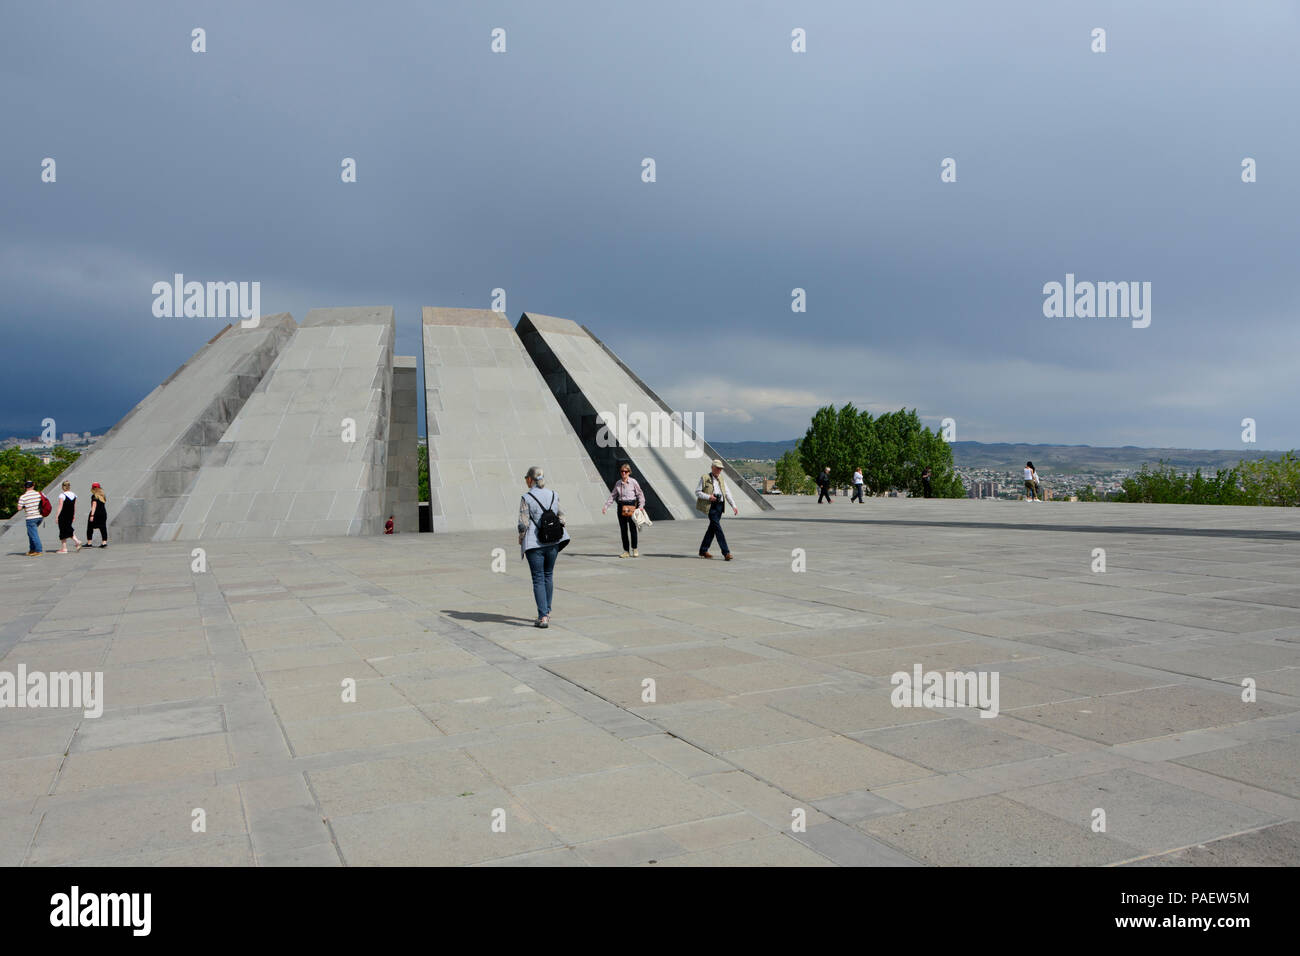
626 526
857 494
926 482
823 491
715 529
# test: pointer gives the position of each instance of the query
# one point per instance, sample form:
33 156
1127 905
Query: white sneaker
636 553
625 555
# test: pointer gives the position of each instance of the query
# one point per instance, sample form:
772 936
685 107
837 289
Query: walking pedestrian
67 511
824 485
857 486
541 538
29 502
98 517
627 494
925 480
712 496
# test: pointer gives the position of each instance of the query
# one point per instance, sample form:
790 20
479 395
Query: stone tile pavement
224 695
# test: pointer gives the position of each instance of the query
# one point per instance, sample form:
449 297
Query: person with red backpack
36 506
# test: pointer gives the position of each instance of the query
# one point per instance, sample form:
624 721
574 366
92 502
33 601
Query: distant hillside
1005 456
759 450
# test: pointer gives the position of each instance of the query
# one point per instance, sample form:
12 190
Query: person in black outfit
98 515
67 511
925 480
824 485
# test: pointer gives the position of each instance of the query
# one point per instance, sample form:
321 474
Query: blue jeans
541 561
33 536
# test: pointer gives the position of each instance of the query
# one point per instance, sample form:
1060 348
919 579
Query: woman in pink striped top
627 492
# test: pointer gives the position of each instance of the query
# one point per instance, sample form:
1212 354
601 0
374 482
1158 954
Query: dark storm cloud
775 170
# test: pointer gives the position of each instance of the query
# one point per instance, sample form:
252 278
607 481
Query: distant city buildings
34 446
1009 485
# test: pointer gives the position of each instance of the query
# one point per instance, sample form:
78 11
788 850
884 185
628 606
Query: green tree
1272 481
820 444
1163 484
18 466
936 454
423 455
790 476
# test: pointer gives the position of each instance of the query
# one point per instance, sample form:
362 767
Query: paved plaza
1119 691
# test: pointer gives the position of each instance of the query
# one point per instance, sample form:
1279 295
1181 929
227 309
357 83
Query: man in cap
712 495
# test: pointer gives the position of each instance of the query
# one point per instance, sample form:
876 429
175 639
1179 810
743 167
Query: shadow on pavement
483 617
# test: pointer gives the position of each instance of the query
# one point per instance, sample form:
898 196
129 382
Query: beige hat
717 463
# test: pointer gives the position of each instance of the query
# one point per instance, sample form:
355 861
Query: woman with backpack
627 494
541 538
98 517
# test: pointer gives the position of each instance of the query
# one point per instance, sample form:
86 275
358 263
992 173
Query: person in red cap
98 516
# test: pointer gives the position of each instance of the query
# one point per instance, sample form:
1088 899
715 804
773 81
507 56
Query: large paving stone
995 831
624 801
1271 764
1141 811
825 766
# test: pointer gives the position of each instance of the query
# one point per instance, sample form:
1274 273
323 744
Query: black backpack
549 529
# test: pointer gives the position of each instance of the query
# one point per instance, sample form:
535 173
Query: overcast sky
775 170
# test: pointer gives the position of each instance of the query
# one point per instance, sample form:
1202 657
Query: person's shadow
484 617
583 554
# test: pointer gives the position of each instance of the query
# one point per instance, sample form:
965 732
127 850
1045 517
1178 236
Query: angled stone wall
308 452
148 461
489 417
590 382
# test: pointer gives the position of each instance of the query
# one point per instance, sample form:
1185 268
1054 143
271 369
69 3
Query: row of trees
1261 481
892 449
16 467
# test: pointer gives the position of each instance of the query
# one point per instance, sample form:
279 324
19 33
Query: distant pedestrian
824 486
627 494
1031 482
925 481
541 539
29 502
98 517
857 486
712 496
67 512
388 525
